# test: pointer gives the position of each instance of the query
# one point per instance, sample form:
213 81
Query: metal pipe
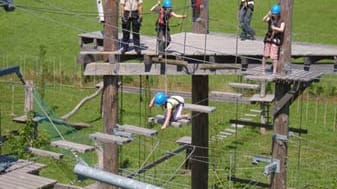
110 178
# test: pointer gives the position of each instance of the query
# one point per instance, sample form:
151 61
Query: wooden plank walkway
193 52
20 180
72 146
256 74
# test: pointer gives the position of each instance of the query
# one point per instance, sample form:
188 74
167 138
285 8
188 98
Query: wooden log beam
199 108
108 138
169 61
218 66
44 153
289 97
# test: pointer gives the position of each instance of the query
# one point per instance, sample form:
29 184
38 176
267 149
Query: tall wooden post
199 163
281 119
200 16
280 146
286 16
110 90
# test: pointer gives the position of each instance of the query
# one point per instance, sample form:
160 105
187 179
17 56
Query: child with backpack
162 24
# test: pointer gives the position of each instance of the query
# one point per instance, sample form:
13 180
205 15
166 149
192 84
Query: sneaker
124 50
138 51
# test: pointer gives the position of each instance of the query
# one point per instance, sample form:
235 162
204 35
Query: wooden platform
189 47
256 74
72 146
21 180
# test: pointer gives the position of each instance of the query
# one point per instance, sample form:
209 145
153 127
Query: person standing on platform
173 107
131 13
162 24
246 10
274 37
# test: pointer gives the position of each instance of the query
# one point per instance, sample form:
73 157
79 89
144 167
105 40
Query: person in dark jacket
246 10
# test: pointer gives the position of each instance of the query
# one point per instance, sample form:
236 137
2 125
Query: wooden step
184 140
256 111
251 115
220 94
258 98
226 133
237 125
199 108
72 146
137 130
107 138
244 86
160 120
45 153
230 130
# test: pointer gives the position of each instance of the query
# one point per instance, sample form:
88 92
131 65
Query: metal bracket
280 137
272 167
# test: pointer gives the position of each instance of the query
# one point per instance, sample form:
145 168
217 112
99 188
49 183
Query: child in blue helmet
274 36
162 24
173 107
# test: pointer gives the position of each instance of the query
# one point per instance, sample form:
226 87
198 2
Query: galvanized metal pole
110 178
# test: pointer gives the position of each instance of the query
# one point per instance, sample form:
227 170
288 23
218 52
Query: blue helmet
160 98
276 9
167 4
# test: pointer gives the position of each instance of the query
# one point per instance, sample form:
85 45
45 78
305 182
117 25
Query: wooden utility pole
286 16
281 119
110 90
200 16
199 163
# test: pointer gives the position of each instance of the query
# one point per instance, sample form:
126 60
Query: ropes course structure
205 55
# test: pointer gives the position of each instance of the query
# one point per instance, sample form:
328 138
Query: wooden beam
108 138
184 140
199 108
244 86
289 97
44 153
137 130
71 146
169 61
221 94
218 66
